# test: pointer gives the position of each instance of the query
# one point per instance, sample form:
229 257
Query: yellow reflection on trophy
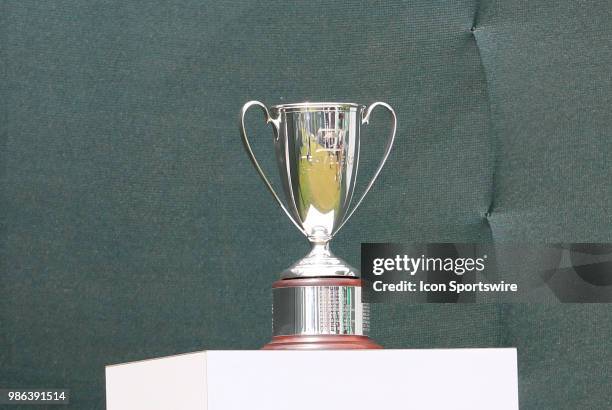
320 171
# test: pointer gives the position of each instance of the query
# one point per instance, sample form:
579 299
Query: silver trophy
317 301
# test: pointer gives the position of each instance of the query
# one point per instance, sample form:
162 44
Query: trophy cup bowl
317 300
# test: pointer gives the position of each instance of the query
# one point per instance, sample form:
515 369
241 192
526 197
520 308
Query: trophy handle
276 123
366 120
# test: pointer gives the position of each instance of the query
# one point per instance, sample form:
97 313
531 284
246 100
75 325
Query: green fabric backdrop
134 225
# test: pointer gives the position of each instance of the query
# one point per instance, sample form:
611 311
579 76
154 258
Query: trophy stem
320 262
319 249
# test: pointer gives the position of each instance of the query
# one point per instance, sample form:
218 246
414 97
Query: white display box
474 379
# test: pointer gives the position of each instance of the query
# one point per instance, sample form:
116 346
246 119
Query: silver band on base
319 307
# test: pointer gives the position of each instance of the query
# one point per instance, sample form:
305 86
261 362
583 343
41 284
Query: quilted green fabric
135 227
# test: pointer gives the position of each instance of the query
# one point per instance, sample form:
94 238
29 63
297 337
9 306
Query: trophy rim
317 105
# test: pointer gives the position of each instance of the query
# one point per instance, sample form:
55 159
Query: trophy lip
316 105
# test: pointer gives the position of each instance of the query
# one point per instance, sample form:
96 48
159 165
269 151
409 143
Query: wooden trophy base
323 342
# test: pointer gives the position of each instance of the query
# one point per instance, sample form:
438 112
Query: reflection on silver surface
319 310
317 152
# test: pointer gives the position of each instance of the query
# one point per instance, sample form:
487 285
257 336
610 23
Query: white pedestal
456 379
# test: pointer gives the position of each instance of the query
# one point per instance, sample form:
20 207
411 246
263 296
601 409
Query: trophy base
319 313
322 342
